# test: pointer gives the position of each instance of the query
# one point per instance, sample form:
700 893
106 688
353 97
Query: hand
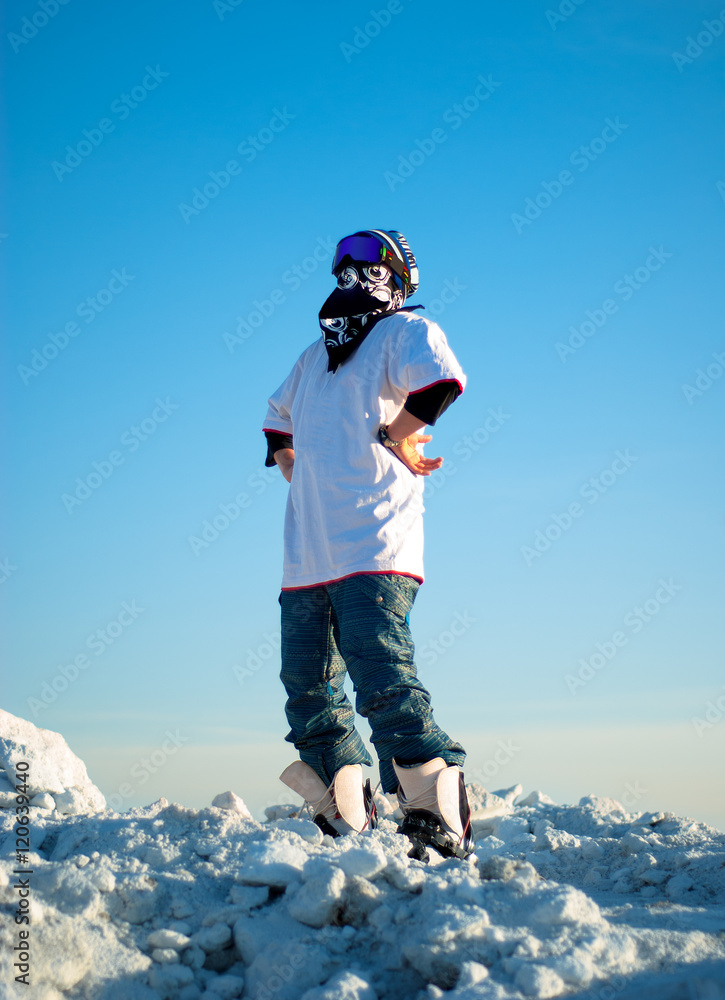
412 458
285 459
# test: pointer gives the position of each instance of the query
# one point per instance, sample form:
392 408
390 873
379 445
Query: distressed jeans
359 624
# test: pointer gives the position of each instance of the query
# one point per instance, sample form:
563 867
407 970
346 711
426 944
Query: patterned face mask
365 293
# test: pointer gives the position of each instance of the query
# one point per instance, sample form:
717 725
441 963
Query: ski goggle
369 249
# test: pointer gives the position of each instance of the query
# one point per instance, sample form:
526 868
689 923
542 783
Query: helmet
380 246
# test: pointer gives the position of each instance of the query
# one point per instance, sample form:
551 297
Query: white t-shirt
353 507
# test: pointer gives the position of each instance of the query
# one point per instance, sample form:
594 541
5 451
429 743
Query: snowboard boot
345 806
435 807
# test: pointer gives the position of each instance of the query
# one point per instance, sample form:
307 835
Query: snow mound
171 903
56 778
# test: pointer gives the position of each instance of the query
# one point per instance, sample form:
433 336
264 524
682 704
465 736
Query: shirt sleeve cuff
430 403
275 441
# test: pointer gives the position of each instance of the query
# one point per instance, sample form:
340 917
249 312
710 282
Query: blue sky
176 178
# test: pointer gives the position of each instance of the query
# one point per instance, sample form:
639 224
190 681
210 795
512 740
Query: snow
275 863
171 903
168 939
316 902
54 770
365 859
228 800
345 986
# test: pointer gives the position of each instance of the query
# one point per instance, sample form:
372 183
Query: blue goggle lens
367 248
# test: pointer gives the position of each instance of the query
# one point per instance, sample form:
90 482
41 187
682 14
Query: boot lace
313 807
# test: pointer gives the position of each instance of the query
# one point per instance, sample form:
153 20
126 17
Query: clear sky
176 178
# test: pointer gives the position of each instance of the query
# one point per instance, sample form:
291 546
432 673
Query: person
345 430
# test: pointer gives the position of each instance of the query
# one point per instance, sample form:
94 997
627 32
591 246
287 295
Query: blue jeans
359 624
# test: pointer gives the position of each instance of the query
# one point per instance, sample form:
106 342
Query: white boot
435 807
343 807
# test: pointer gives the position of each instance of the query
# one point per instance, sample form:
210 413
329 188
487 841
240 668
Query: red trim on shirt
275 430
364 572
440 380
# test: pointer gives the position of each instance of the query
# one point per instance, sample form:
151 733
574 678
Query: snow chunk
135 899
283 811
400 873
679 886
538 981
168 939
567 906
653 876
167 980
67 889
6 787
67 959
386 805
213 938
577 969
440 939
248 897
360 899
53 767
291 966
603 806
165 956
631 843
592 851
275 863
67 950
484 804
535 799
227 987
103 879
550 839
232 802
509 795
43 800
365 860
511 828
304 828
73 801
488 847
498 868
317 901
159 856
344 986
205 847
181 908
471 973
194 957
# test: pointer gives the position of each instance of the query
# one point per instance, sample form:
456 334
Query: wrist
385 438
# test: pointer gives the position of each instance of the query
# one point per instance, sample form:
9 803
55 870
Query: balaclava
366 293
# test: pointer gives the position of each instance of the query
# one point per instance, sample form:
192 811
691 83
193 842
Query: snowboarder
345 430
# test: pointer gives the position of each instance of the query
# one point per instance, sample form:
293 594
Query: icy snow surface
57 777
170 903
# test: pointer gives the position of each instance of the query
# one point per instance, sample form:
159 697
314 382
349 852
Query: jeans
359 624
